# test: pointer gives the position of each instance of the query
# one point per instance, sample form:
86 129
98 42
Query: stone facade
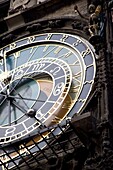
92 148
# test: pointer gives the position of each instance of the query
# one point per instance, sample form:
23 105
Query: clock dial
44 79
19 87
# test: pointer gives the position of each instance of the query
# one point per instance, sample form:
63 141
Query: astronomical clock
44 80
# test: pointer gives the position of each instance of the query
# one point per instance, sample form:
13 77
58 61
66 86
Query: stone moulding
60 24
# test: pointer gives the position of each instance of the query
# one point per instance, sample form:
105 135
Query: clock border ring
76 43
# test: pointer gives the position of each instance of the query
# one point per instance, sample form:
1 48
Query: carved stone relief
18 5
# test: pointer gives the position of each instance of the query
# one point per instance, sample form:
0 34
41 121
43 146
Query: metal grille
50 146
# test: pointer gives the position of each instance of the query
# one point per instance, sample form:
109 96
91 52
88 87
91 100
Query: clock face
43 79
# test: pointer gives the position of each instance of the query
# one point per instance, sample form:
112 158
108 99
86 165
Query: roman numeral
86 52
63 39
48 37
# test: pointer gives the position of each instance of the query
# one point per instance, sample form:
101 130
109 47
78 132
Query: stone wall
68 10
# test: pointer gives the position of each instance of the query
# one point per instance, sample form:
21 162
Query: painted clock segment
43 79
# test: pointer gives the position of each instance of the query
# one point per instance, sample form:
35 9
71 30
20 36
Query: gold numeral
46 47
57 50
68 54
